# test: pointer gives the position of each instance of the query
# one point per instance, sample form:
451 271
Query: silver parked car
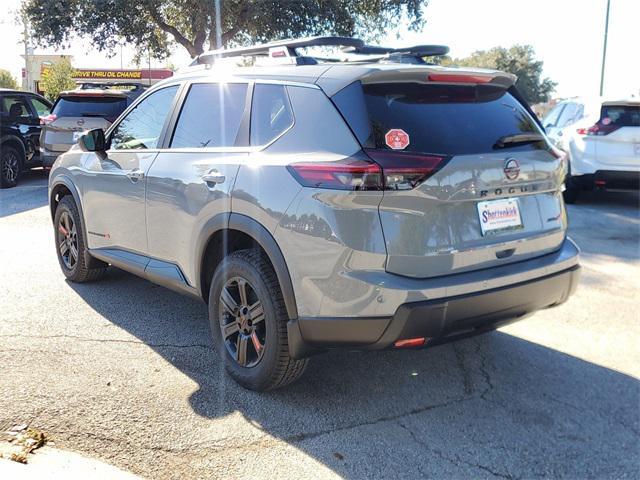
376 202
78 111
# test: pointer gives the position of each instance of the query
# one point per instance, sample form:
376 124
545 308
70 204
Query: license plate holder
498 216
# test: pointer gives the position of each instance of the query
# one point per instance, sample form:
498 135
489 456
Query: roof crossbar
290 45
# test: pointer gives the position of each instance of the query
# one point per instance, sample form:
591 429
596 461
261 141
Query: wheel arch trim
255 230
17 140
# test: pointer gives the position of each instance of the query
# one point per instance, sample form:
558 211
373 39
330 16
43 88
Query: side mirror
93 141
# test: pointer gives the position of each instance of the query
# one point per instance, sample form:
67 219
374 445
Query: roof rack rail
284 52
279 49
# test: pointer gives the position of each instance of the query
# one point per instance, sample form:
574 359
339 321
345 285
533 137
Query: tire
10 166
266 364
571 192
69 238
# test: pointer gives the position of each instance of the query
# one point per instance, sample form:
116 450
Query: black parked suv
21 119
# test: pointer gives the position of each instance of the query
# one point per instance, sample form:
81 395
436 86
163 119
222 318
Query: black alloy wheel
68 240
242 322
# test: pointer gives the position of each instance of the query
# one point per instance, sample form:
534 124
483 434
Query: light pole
604 49
218 25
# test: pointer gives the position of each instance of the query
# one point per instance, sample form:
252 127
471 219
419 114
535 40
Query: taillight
48 119
389 171
347 174
563 157
404 171
598 129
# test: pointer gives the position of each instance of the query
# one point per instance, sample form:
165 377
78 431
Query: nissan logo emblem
80 122
511 168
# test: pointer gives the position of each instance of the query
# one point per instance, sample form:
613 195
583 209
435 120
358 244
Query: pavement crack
390 418
111 340
455 460
466 375
482 366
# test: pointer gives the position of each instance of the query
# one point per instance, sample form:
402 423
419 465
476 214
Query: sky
567 36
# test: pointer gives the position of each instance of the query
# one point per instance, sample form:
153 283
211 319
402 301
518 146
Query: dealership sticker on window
396 139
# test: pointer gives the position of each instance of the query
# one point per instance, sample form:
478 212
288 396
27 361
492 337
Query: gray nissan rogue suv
369 203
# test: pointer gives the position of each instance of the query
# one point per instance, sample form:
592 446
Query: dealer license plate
499 215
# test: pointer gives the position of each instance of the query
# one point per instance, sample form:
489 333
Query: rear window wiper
517 139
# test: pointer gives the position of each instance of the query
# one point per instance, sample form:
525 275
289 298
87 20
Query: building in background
36 65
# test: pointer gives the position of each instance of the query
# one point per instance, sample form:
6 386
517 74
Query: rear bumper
608 180
438 320
49 156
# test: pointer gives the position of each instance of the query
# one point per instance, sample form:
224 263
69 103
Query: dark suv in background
85 108
21 118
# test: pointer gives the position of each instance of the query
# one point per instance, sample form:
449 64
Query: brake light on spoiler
459 78
389 170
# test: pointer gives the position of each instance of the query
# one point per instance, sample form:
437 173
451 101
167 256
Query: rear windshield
620 115
105 107
440 119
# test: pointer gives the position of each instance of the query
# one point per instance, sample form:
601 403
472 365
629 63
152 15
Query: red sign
397 139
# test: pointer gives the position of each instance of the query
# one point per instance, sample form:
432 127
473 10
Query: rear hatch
618 136
75 113
470 179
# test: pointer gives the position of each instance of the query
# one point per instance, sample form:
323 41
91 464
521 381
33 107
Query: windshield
109 108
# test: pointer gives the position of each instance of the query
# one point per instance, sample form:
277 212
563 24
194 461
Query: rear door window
620 115
551 119
40 107
271 113
106 107
569 115
446 119
210 116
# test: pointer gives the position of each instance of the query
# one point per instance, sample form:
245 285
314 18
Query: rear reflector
458 78
410 342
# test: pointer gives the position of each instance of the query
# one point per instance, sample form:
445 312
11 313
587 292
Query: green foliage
519 60
7 80
57 78
155 24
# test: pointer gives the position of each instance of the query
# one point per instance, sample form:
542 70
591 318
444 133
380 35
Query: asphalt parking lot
124 371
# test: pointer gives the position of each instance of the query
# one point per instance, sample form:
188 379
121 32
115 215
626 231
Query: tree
7 80
519 60
57 78
155 24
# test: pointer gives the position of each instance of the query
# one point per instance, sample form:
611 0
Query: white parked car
602 139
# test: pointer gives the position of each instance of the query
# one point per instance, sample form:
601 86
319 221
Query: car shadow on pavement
493 405
30 193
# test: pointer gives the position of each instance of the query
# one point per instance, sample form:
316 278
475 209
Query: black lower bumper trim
437 320
607 180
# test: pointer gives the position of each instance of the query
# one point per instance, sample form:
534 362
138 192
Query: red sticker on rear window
396 139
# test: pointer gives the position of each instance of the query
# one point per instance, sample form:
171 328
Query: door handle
213 177
135 174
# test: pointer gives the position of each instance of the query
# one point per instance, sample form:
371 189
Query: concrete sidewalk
52 463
